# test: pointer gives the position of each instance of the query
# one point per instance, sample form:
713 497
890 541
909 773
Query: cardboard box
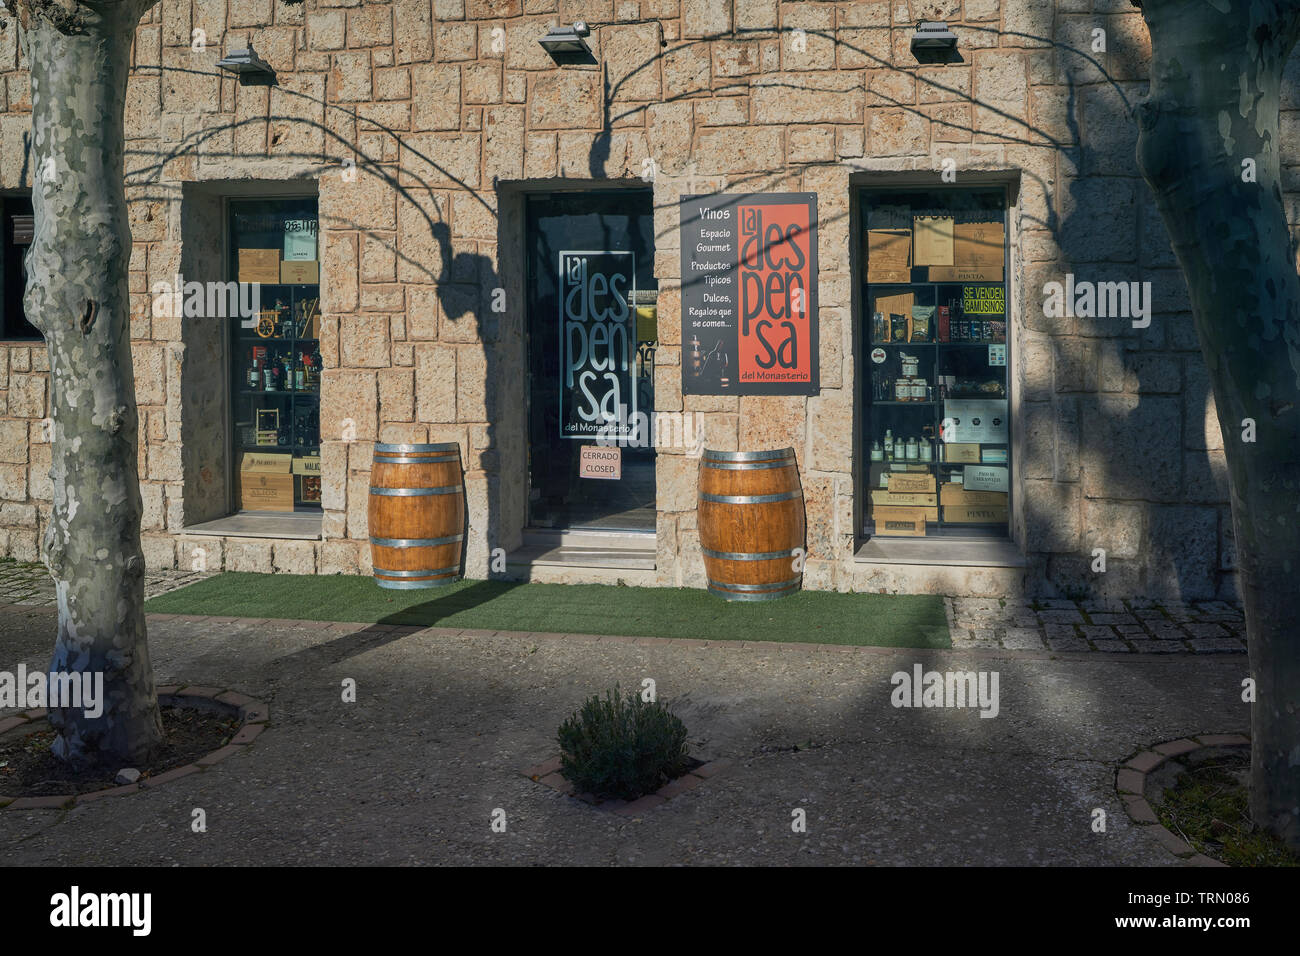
932 241
265 482
912 483
300 273
977 254
889 255
974 514
958 496
964 452
906 522
259 265
891 512
880 496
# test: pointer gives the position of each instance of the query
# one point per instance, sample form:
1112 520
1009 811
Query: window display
937 389
16 226
276 362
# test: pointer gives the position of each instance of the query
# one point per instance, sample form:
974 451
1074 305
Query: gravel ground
412 772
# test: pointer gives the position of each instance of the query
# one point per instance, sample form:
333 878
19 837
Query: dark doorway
15 239
592 334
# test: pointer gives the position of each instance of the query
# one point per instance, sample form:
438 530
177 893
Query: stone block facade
422 124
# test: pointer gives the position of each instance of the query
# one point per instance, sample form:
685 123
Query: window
16 236
275 355
938 422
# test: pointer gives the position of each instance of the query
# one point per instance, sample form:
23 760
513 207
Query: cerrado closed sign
597 461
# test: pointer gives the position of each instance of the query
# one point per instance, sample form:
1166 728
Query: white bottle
910 450
877 453
889 445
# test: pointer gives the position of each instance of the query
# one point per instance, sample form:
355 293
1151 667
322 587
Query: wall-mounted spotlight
248 66
933 42
567 42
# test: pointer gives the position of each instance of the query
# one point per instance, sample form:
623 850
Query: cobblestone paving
1109 626
31 584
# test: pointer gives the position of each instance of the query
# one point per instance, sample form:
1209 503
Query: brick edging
1131 784
253 714
547 774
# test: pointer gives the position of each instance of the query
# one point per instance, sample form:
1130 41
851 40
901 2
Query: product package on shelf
889 255
906 522
265 482
977 254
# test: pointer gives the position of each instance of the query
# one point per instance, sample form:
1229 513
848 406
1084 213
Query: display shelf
930 322
288 226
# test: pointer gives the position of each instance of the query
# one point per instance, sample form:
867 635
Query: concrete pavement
445 721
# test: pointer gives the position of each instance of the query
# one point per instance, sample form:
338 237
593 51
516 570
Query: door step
579 556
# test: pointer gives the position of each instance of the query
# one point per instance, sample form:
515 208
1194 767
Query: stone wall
419 123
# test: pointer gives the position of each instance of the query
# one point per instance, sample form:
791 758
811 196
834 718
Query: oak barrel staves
416 515
751 522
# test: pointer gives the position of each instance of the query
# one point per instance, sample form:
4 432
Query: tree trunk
1216 72
77 296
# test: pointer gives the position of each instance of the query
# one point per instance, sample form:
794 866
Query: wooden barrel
751 522
416 515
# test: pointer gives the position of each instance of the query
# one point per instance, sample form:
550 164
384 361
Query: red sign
776 279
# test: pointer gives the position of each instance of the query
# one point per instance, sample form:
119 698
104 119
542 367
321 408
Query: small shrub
622 746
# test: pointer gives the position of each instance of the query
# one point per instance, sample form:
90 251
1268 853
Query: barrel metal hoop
750 499
416 574
710 455
386 448
767 596
747 555
415 542
415 492
747 466
394 460
415 585
756 588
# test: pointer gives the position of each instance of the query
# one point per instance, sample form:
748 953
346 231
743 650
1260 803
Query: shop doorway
592 334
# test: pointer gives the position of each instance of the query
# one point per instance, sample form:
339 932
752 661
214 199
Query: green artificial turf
810 616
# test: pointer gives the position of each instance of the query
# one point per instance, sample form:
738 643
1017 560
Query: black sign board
749 294
597 344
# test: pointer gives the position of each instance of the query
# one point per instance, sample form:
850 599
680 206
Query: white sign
599 461
878 356
997 355
975 420
985 478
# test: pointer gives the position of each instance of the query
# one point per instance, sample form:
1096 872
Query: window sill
262 524
941 552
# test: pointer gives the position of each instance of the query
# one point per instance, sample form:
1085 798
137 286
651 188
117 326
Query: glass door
276 360
592 334
938 422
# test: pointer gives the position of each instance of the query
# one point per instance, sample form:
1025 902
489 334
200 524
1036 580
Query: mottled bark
1216 74
77 296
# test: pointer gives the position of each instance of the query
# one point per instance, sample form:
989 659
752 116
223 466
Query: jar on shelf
877 453
903 390
910 451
